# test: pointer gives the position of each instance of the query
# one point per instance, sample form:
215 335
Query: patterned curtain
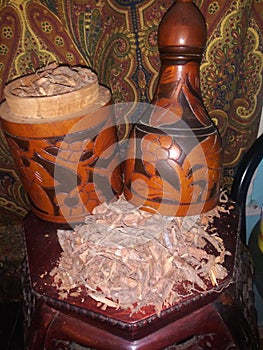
118 40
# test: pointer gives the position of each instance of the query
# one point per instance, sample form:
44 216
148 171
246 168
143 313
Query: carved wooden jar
64 147
174 154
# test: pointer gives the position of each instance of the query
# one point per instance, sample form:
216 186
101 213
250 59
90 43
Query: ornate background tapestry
118 40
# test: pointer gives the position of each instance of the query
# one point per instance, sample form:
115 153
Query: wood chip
55 80
124 257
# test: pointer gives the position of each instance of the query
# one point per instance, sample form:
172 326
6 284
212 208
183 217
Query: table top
43 251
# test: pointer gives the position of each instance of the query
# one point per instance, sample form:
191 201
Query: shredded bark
55 80
124 257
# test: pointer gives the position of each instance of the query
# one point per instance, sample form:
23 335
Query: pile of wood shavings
127 258
55 80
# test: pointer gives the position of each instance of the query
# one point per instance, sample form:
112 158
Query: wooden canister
65 149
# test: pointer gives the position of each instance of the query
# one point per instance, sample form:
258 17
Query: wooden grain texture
174 157
53 92
223 316
68 163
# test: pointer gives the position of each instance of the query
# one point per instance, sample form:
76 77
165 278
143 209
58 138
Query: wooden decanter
174 154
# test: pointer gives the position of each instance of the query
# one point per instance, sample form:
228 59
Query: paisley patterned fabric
118 40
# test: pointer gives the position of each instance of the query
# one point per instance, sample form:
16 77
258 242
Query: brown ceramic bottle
174 154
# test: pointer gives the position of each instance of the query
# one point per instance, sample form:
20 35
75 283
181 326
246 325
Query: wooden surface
198 317
174 158
54 106
67 166
44 255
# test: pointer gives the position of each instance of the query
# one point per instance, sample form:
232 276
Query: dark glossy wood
196 319
174 156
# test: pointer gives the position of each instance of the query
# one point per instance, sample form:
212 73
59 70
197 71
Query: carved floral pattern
68 175
118 40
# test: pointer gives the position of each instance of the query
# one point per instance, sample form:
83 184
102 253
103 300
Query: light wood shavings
55 80
124 257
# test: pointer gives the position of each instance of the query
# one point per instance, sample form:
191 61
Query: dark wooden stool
220 318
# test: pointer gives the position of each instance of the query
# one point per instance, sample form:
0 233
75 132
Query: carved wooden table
221 318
